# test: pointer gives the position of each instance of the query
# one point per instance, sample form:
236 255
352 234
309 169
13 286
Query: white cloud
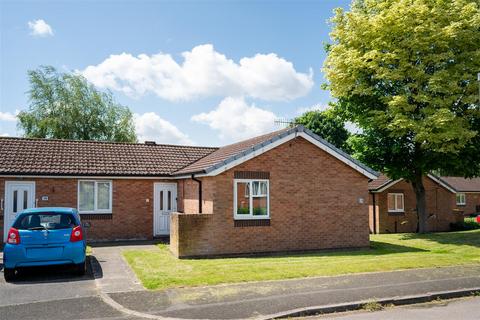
150 127
236 120
8 116
4 135
204 72
40 28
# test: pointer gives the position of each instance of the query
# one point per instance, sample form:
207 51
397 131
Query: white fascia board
435 179
386 186
251 155
443 184
280 141
337 155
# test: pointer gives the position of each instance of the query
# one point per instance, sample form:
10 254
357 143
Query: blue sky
205 73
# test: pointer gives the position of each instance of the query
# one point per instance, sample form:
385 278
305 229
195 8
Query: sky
192 72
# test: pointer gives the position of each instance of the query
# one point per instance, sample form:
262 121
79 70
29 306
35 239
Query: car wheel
81 268
9 274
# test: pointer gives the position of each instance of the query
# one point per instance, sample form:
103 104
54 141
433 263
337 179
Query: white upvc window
94 196
461 200
396 202
251 199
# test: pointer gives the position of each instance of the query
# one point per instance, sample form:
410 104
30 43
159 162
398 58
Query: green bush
467 224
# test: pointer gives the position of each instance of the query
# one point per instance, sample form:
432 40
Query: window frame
95 197
461 194
250 216
395 194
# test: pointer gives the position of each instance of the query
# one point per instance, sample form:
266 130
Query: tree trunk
419 190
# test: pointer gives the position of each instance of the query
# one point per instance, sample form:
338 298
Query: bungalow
392 203
284 191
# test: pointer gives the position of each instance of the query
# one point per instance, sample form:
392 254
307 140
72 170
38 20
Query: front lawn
158 269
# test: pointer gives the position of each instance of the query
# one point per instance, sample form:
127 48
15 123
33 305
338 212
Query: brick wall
313 205
132 211
2 196
472 200
441 209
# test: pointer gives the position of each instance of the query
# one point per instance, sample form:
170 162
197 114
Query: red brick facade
472 203
315 203
441 209
132 206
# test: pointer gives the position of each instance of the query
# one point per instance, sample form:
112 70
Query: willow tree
405 71
66 106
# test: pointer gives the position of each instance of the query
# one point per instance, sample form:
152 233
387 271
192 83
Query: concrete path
112 272
262 299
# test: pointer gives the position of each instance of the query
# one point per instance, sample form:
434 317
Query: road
465 309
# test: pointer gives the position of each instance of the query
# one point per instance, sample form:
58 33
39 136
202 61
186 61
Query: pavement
281 298
465 309
111 271
111 291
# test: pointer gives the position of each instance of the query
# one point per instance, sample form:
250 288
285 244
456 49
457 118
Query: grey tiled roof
230 153
457 184
463 184
20 156
66 157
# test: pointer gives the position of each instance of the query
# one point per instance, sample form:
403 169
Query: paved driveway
55 293
45 284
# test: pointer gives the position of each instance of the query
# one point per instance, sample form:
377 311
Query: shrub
467 224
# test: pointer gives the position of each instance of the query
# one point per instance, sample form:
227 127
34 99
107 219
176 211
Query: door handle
1 204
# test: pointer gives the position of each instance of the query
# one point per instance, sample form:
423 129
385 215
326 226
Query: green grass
158 269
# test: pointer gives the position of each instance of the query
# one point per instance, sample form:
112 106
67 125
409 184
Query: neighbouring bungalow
285 191
449 200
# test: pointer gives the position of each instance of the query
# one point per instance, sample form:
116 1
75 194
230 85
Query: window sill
461 204
251 218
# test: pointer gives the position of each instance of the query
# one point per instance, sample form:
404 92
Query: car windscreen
50 221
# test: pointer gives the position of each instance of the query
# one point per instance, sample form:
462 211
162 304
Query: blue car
44 237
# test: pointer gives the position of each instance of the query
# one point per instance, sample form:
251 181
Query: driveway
54 293
45 284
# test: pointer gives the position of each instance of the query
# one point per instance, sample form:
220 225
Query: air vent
150 143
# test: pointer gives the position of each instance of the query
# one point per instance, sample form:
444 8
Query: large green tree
405 72
327 125
66 106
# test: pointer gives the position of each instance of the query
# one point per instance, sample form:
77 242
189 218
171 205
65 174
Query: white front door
164 203
19 195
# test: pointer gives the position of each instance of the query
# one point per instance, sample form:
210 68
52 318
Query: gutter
199 192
